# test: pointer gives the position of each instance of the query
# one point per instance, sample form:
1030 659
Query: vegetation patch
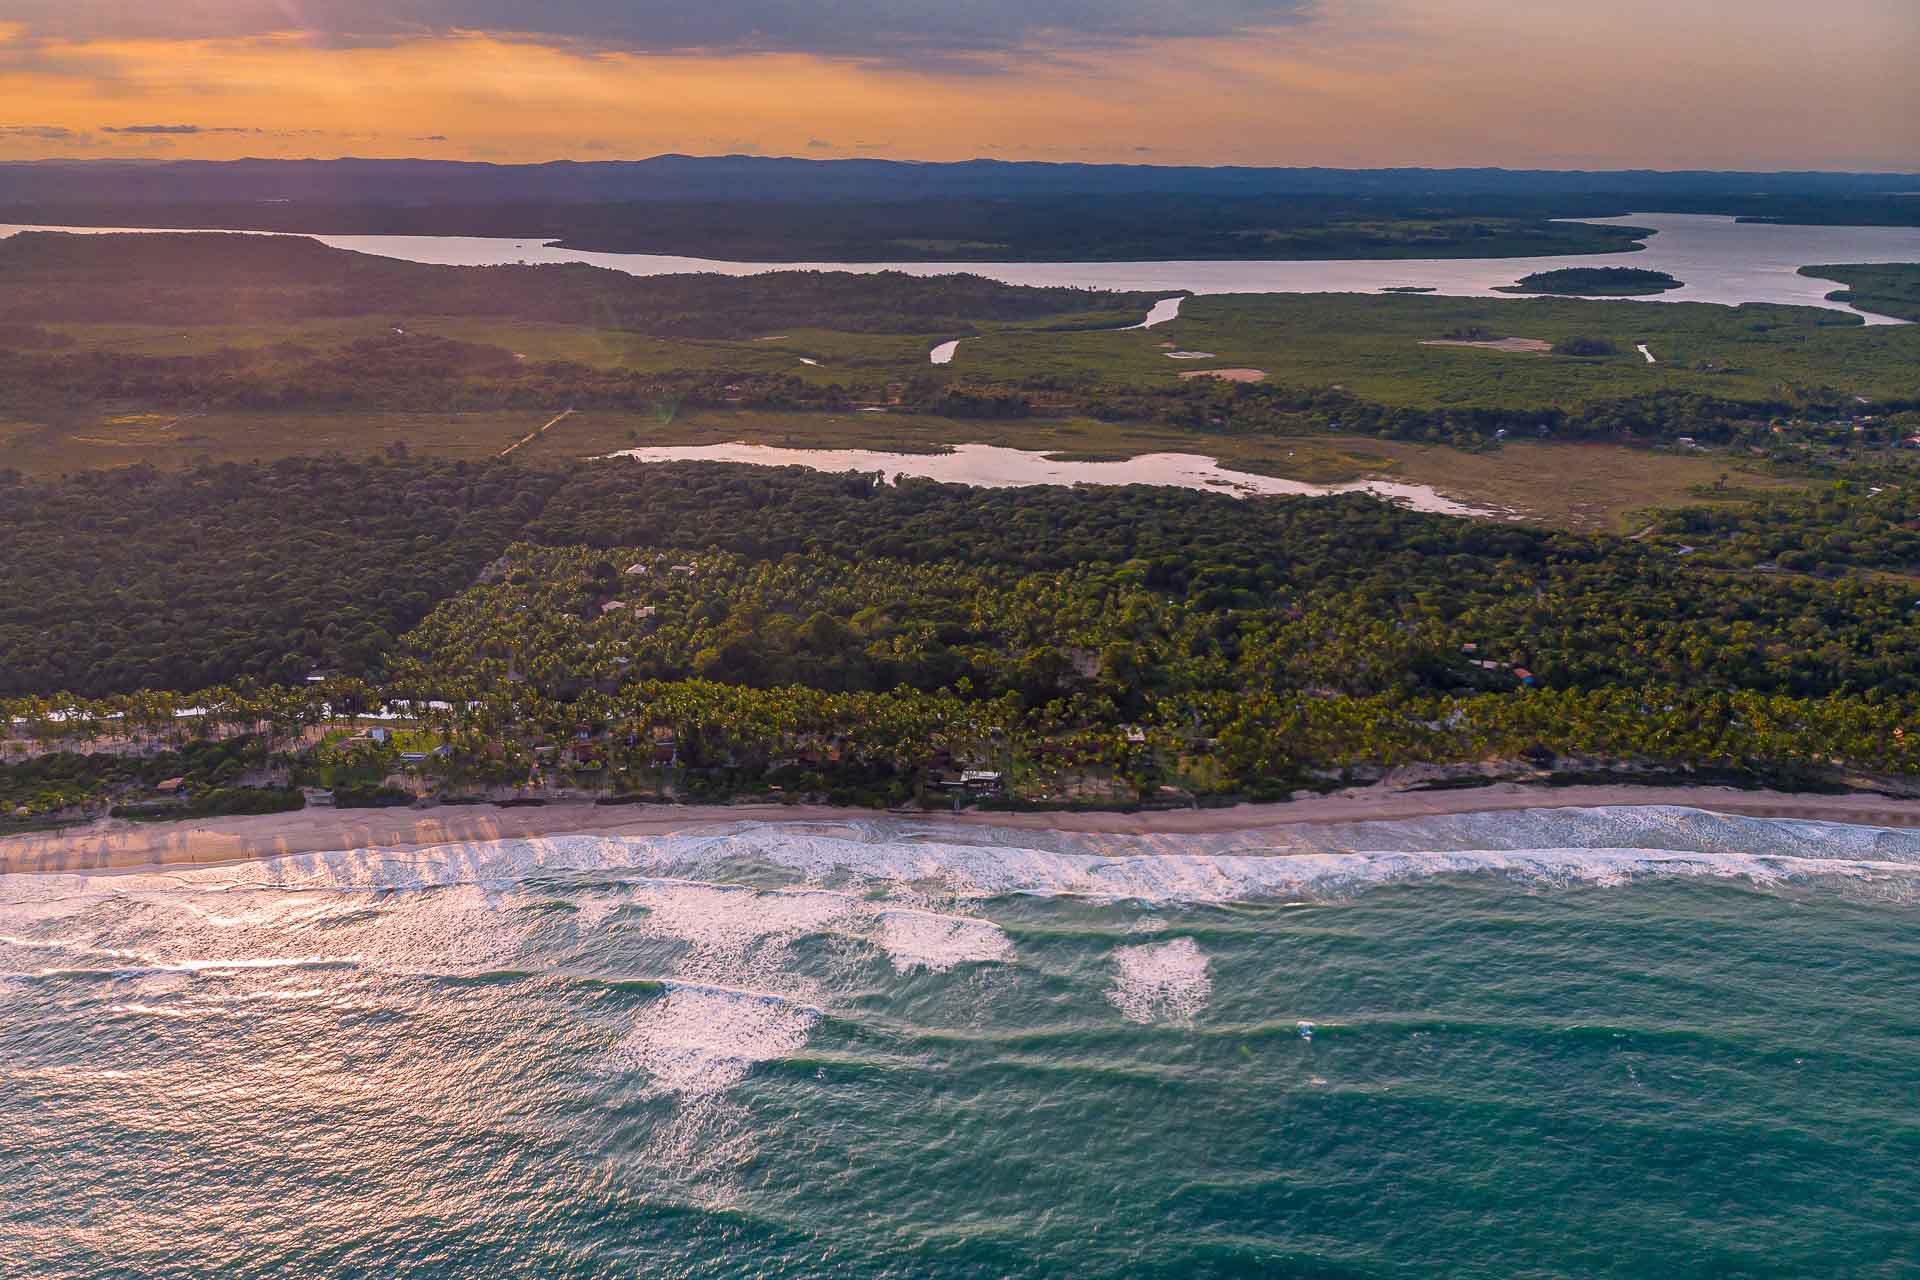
1584 346
1887 288
1595 282
224 572
204 279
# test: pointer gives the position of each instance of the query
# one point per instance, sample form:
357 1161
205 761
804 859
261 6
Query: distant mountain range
758 178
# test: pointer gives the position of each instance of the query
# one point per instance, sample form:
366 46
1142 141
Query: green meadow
1374 347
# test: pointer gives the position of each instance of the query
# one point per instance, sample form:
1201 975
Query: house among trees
666 746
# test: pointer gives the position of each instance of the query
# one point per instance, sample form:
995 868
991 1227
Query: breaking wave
1166 981
913 859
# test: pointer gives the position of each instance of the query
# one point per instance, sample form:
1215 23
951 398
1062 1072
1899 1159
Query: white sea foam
1161 982
735 934
698 1040
594 910
1566 846
925 940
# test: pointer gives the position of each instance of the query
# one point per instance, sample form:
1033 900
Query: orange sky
1626 83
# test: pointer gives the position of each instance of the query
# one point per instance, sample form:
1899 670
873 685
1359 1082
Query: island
1595 282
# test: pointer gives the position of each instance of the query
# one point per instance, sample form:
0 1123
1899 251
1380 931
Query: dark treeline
903 216
981 229
1076 228
226 279
788 179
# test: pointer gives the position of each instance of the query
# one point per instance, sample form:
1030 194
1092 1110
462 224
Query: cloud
49 132
882 30
187 129
819 144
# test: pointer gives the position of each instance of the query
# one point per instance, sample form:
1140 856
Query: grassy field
584 344
85 442
839 355
1373 347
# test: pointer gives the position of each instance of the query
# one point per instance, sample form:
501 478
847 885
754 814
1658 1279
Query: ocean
1601 1042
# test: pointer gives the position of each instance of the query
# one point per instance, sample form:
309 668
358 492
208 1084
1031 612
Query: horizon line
145 161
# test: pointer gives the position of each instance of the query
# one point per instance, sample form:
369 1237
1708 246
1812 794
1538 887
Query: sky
1664 84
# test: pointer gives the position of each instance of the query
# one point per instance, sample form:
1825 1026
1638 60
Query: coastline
114 845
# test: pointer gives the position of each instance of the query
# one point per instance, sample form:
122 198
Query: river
1720 260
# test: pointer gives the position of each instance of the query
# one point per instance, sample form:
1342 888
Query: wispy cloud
902 31
173 129
47 132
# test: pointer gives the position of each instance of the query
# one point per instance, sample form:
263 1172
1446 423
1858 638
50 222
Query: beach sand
117 845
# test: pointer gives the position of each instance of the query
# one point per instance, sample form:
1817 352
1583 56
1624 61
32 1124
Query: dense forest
137 578
269 572
1596 282
1155 636
48 277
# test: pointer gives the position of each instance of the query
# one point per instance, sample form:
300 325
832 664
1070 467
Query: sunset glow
1347 82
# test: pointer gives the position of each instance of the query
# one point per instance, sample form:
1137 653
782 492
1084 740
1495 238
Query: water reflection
994 467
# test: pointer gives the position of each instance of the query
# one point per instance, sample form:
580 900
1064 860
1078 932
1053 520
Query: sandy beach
116 845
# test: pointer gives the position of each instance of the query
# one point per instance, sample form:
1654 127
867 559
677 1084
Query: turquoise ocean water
1648 1042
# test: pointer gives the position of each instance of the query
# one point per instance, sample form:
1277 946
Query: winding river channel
1720 260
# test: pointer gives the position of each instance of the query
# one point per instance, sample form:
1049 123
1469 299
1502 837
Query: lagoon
994 467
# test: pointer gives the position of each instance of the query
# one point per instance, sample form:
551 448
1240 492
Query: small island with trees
1596 282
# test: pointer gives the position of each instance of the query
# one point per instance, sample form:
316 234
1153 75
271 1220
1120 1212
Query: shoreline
116 845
